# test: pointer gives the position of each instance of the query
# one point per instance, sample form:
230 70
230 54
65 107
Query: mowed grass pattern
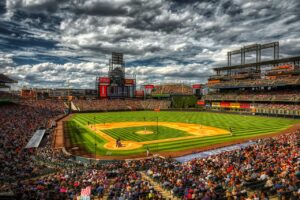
159 133
242 126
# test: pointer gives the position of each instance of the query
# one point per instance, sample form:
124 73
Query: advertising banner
103 90
104 80
149 86
225 104
215 104
129 81
196 86
213 81
245 105
201 103
234 105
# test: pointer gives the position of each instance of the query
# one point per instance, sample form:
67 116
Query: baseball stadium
158 141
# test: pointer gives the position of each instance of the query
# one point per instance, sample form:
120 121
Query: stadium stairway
166 195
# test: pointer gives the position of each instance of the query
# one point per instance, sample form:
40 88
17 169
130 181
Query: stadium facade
263 87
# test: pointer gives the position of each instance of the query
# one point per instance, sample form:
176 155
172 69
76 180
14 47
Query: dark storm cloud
188 75
105 8
2 7
231 9
37 6
31 78
55 40
146 23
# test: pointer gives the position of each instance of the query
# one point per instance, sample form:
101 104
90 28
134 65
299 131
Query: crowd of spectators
113 180
8 95
173 89
270 167
293 80
278 106
18 123
22 169
120 104
292 95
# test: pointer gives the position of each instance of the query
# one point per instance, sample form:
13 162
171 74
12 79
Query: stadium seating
278 106
173 89
119 104
263 95
18 123
257 82
8 96
269 167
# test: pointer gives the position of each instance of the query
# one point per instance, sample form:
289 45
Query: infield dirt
196 131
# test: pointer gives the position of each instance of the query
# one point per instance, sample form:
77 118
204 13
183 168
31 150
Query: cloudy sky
47 43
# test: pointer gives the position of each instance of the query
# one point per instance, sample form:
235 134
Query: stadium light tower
95 136
156 124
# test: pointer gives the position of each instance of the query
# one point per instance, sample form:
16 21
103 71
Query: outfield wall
265 112
251 108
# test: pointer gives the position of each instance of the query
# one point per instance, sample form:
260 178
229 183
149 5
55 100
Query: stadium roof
3 86
36 139
5 79
269 62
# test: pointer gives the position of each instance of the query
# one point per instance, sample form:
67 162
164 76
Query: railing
257 83
254 97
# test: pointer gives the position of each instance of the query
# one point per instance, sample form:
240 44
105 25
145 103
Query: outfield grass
242 126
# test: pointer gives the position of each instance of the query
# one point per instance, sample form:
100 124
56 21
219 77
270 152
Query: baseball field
132 133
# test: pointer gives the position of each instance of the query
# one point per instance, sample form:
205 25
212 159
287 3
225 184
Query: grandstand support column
258 53
242 56
276 50
229 58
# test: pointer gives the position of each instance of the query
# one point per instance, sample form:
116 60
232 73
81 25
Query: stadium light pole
156 131
95 136
156 124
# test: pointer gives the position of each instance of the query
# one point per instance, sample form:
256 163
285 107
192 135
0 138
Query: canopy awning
36 139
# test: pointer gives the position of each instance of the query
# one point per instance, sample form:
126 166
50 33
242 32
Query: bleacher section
179 89
7 96
256 83
278 109
120 104
263 95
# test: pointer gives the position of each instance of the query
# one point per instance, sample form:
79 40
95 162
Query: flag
86 192
63 190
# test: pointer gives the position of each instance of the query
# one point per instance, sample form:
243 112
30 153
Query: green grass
242 126
160 132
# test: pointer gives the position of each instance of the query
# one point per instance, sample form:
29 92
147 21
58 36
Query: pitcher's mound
144 132
126 145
